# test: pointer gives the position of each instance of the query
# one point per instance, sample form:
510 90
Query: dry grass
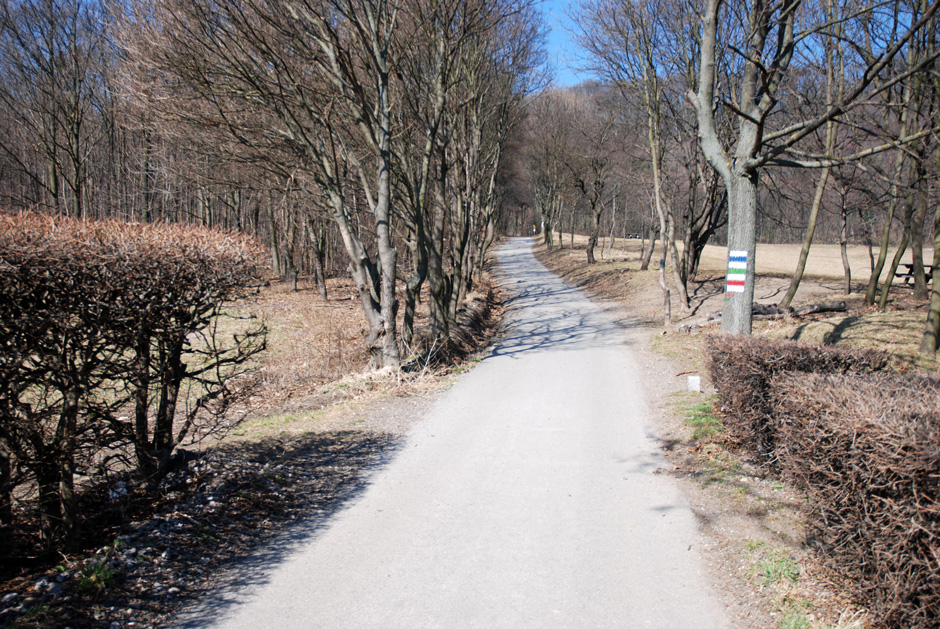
310 341
898 332
617 277
315 373
824 261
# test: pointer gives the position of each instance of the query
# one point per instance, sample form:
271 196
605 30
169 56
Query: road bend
528 497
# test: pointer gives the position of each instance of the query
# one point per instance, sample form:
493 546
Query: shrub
741 369
866 449
108 336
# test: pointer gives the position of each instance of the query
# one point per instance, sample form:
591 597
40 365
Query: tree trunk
899 254
917 236
807 239
571 225
388 258
667 301
70 523
613 223
844 250
703 225
413 286
645 262
146 460
437 281
866 238
677 275
459 235
48 476
64 452
667 222
547 236
929 342
885 243
488 239
817 200
170 382
742 243
290 268
319 259
365 274
597 211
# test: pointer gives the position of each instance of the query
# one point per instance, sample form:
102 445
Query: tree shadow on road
546 313
310 479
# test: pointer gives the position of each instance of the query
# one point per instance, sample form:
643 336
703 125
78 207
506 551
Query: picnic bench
909 274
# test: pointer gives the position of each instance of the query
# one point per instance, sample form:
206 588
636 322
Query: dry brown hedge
866 449
112 352
742 367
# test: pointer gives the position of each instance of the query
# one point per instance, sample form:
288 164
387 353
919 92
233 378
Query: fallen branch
826 306
769 311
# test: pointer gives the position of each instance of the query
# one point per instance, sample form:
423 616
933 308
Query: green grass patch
774 566
705 424
720 468
274 423
205 534
795 614
95 578
37 616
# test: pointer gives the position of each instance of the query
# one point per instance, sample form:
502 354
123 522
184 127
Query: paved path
527 498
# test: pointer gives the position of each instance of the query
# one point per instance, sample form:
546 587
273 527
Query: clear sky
563 52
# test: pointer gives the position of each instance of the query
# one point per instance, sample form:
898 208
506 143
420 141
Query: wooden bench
909 275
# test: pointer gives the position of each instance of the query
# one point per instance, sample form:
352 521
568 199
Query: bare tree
835 79
306 82
547 139
649 52
767 45
931 338
591 154
53 91
499 72
449 44
912 105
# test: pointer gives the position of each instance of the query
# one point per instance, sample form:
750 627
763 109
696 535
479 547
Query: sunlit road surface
527 498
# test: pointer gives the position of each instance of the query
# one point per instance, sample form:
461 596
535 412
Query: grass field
824 261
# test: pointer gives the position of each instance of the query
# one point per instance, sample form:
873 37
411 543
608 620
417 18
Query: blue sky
562 50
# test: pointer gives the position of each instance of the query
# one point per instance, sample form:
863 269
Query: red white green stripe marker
737 270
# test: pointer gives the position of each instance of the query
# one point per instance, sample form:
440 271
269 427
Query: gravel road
528 497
